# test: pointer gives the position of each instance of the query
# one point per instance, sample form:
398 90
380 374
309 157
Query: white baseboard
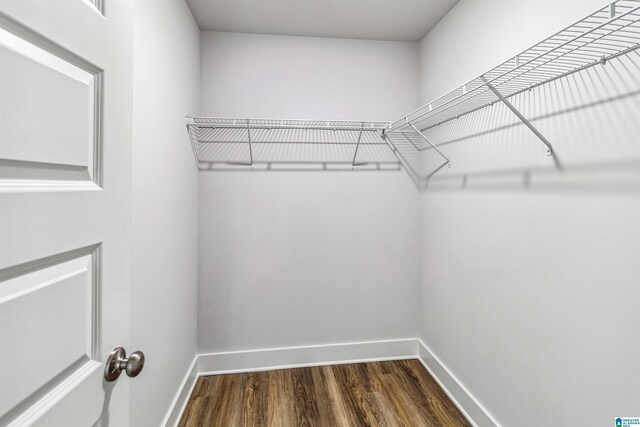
182 396
457 392
313 355
286 357
328 354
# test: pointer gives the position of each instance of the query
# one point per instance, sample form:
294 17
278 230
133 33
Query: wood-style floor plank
393 393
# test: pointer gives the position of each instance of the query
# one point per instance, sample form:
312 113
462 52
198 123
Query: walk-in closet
319 213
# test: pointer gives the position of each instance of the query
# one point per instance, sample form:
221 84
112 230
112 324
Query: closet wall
529 289
165 199
299 258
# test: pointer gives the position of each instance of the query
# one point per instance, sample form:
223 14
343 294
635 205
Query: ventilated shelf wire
611 31
608 33
227 143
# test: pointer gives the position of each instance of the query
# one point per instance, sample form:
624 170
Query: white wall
530 294
290 258
165 199
249 75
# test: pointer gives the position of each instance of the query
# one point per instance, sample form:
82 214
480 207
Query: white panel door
65 207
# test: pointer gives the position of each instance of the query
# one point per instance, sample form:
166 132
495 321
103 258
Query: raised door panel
49 311
49 114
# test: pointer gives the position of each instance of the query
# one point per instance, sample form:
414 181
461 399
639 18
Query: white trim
43 185
328 354
42 406
179 402
457 392
283 358
301 356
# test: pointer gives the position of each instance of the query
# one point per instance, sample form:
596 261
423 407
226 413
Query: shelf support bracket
533 129
419 182
250 149
447 161
193 138
353 162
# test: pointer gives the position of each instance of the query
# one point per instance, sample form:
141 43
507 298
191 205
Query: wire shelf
610 32
270 144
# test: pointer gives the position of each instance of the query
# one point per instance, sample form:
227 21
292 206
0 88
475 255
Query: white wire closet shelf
273 144
610 32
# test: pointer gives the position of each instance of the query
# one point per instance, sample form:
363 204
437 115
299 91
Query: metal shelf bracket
514 110
250 148
447 162
355 154
419 181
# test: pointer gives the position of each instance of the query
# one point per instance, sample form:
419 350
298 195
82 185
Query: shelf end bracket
249 139
446 159
193 139
523 119
355 154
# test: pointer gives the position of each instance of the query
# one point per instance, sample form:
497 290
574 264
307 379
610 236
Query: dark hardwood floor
395 393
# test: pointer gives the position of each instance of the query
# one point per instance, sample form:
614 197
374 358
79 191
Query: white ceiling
404 20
